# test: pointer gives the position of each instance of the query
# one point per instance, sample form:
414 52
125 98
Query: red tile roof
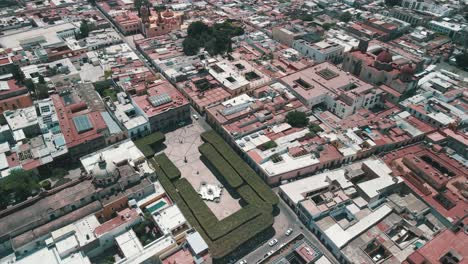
158 88
67 126
125 216
440 245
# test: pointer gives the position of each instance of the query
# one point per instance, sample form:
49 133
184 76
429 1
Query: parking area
182 149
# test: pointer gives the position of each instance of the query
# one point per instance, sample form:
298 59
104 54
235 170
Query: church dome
407 69
385 56
167 13
104 170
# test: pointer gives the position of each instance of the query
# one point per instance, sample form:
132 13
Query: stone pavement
182 149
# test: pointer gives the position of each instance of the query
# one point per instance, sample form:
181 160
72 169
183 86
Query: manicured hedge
244 170
244 233
210 223
199 208
221 165
171 171
177 199
250 197
225 236
146 144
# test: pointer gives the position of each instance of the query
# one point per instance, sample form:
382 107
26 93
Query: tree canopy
84 29
462 59
29 84
392 3
346 17
215 39
17 74
297 119
42 90
41 79
17 187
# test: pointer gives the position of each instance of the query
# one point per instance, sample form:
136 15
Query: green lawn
110 92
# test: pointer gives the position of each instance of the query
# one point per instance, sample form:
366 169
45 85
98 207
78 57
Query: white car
270 252
377 257
195 116
243 262
289 231
273 242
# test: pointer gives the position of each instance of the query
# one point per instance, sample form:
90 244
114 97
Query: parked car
243 262
289 231
377 257
195 116
273 242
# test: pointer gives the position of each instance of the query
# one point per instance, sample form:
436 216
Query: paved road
128 40
284 220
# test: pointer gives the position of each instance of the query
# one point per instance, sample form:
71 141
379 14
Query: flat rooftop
324 79
169 219
117 153
340 237
161 96
225 73
21 118
48 33
129 243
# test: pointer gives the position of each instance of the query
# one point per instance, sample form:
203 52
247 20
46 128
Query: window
327 74
303 84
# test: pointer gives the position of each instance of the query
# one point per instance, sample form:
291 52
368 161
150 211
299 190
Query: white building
129 116
430 7
320 51
226 74
453 30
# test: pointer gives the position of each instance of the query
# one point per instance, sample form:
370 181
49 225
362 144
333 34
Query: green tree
41 79
42 91
327 26
197 28
17 74
17 187
314 128
216 39
107 74
46 185
346 17
190 46
462 59
137 4
297 119
84 29
392 3
29 84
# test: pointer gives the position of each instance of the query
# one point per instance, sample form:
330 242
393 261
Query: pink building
379 63
128 23
163 105
159 23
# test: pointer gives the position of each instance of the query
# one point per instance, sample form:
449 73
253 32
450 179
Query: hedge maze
226 235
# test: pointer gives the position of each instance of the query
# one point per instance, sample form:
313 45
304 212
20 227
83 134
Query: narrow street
284 220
